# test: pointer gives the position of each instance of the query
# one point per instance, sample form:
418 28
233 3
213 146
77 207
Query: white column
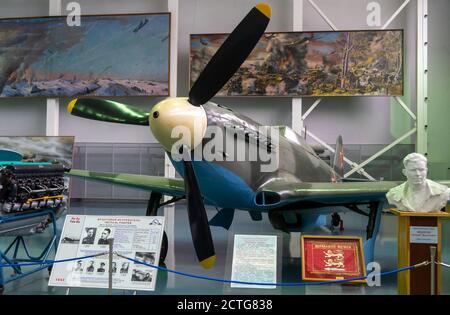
297 121
297 18
422 75
52 120
169 170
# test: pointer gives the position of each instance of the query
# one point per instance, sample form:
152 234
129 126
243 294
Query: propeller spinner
188 112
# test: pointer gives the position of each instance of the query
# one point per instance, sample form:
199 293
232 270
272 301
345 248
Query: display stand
18 252
413 249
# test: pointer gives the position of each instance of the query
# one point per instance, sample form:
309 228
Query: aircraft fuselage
230 182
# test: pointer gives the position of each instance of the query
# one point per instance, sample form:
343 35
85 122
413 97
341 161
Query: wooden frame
360 263
146 86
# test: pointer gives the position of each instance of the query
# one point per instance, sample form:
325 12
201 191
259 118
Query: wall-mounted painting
344 63
107 55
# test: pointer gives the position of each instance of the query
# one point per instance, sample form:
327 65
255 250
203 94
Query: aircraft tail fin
338 161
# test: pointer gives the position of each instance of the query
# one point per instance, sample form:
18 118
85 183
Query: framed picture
107 55
327 258
294 64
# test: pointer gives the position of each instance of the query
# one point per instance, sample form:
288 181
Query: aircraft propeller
109 111
214 76
231 54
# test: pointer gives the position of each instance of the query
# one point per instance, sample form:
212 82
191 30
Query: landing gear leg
337 221
371 224
152 210
373 227
153 204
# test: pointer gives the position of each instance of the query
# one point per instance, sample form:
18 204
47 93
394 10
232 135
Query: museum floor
183 258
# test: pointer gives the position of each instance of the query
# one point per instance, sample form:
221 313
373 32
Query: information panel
135 237
254 260
423 234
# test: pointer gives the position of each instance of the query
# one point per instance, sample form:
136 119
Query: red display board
332 258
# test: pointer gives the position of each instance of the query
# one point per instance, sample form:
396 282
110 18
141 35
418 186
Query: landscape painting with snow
107 55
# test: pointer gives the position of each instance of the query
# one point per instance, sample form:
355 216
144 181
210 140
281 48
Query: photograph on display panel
107 55
338 63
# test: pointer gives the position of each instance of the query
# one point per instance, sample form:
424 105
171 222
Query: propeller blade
230 56
198 220
110 111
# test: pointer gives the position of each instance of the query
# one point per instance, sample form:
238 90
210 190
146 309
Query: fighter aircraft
295 194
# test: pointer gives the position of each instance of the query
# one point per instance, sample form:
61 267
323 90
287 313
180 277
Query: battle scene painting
108 55
344 63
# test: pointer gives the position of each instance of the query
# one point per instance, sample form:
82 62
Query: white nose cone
176 121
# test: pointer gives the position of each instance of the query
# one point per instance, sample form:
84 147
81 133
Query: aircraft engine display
31 186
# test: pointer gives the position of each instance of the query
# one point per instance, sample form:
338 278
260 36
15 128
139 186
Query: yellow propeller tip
265 9
71 105
208 262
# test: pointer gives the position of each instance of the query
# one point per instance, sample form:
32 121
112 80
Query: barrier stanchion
110 255
433 270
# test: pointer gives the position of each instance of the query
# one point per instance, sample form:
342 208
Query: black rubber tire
335 220
2 289
164 248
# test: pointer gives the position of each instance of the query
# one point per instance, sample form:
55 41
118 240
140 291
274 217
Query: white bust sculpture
418 194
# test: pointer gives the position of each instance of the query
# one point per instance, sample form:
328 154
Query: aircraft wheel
2 289
335 219
164 248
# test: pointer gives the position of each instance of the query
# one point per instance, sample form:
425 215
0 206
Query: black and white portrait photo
104 237
89 236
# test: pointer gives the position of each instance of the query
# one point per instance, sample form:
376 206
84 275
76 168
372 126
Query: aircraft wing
166 186
285 192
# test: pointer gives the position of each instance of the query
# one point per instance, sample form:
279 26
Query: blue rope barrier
51 262
444 264
267 284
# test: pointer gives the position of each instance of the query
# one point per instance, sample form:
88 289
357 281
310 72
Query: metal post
173 7
433 270
110 281
297 119
52 111
395 14
422 76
